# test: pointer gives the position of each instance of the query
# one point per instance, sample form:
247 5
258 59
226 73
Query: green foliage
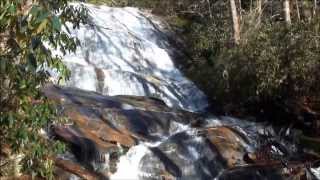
27 30
272 63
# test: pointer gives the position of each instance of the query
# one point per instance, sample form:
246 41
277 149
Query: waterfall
124 52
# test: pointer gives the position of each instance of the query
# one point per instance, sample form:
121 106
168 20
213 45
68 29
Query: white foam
316 172
128 166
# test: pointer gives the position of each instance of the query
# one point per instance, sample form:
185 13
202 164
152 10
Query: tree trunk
271 8
286 8
298 10
209 7
259 10
240 9
315 8
235 20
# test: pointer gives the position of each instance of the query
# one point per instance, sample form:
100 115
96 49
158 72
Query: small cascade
129 164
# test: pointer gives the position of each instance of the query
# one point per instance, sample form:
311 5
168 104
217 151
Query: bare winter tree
286 8
298 10
259 9
235 21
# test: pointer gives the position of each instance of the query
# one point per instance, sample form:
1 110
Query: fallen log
76 169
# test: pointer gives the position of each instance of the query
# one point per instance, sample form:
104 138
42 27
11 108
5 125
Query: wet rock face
214 153
201 154
102 122
126 119
177 144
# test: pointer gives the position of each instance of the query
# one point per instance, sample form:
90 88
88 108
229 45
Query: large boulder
121 119
101 124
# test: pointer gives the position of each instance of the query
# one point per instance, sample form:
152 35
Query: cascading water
125 52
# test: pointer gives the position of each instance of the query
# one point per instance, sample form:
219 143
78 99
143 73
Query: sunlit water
123 52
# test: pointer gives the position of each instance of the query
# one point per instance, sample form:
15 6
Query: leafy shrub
273 63
27 29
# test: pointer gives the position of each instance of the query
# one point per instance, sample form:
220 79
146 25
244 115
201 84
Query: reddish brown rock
120 119
73 168
229 144
200 154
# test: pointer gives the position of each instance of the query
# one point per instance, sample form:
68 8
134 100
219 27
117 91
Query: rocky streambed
132 137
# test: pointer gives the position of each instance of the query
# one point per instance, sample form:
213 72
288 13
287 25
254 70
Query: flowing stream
126 51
